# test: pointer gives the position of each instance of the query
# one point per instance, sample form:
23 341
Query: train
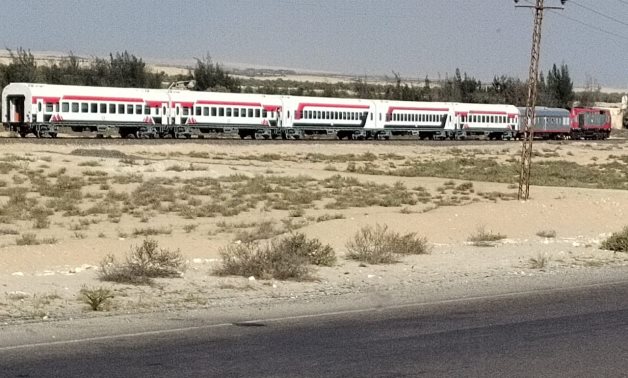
44 110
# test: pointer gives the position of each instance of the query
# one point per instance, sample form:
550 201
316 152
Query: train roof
546 112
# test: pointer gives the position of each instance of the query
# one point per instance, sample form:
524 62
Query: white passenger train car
491 120
343 117
42 109
428 120
132 112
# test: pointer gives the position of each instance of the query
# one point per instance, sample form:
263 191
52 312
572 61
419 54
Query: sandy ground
42 282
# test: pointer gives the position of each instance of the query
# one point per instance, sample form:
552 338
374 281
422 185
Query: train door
15 109
165 114
39 111
581 120
177 114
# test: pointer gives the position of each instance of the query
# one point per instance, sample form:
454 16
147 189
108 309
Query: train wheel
53 135
23 135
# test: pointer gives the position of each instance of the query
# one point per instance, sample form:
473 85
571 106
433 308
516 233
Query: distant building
619 113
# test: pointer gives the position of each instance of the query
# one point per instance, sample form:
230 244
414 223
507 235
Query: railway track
85 140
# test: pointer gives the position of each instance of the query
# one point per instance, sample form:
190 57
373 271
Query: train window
39 106
198 110
103 108
221 112
186 111
75 107
236 112
213 112
129 109
257 113
112 108
120 108
264 113
206 111
228 112
146 110
138 109
371 116
84 107
48 108
250 113
93 108
65 107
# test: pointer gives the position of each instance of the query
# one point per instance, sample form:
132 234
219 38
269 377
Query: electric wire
599 13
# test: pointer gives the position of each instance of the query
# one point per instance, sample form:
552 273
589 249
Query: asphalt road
579 332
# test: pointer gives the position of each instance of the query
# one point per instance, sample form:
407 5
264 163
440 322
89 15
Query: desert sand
41 283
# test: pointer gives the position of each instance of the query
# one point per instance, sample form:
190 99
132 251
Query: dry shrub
285 259
483 238
378 245
617 242
145 262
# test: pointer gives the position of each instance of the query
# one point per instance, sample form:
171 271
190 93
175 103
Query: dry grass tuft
483 238
96 299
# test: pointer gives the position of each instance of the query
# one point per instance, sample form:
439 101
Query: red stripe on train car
102 98
229 103
486 113
393 108
303 105
47 100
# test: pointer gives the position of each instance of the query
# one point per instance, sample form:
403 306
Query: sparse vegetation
378 245
96 299
145 262
548 234
617 242
539 262
286 259
483 238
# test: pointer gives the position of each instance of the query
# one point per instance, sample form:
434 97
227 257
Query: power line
600 13
592 27
596 28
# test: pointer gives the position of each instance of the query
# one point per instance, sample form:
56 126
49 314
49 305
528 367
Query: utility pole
528 135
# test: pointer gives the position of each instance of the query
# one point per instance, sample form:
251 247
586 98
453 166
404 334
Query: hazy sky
413 37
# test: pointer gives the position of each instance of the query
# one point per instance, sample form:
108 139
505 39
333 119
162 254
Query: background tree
210 76
559 87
